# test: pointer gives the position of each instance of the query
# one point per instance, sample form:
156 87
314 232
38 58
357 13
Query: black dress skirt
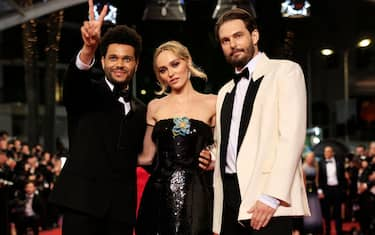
178 198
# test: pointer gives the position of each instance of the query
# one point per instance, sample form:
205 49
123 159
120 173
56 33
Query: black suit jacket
18 206
37 205
340 171
99 177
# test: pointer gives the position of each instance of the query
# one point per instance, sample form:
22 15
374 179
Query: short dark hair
121 34
4 133
361 146
236 14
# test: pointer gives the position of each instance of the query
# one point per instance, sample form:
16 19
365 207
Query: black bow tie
328 161
244 74
125 94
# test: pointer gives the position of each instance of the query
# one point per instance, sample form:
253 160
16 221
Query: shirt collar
330 159
110 85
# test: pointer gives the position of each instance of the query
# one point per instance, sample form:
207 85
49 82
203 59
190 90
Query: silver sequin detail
177 188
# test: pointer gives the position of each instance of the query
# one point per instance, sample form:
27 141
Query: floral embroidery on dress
181 126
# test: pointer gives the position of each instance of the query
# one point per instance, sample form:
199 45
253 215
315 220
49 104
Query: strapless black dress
178 196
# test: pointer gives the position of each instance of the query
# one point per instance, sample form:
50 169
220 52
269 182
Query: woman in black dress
312 224
178 196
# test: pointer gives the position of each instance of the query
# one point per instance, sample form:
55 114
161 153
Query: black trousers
78 223
24 222
331 208
231 226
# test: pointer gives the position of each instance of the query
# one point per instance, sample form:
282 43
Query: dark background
337 24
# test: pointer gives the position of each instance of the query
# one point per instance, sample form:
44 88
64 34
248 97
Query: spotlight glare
364 42
172 10
326 52
315 140
143 92
317 131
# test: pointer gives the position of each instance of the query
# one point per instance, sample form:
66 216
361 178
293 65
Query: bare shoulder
153 108
154 104
158 101
209 99
210 107
212 97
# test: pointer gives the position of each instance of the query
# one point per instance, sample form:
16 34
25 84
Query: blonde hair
181 52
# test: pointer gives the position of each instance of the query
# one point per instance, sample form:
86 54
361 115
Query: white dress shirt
331 172
29 205
82 66
239 99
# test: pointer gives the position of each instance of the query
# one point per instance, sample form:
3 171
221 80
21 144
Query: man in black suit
97 186
331 189
29 210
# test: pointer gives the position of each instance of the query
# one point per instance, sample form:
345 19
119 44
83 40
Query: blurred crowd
360 175
27 176
340 188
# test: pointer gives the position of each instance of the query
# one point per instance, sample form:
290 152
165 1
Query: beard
241 60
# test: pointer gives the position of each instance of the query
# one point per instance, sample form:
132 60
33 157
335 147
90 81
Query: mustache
235 51
121 69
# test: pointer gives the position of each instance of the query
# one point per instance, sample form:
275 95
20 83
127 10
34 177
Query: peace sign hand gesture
90 32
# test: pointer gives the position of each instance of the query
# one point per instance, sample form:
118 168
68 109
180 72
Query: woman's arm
207 155
149 147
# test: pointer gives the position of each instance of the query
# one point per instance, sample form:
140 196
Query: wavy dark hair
236 14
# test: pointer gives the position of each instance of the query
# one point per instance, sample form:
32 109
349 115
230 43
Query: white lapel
247 158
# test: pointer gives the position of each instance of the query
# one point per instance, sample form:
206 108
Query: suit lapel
247 109
226 116
254 98
323 171
227 107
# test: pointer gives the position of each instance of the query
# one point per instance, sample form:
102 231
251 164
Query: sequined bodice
179 142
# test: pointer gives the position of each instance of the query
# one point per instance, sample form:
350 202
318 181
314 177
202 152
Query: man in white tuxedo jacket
261 124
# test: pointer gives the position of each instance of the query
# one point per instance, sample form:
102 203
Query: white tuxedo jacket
269 159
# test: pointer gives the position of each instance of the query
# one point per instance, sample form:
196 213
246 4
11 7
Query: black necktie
244 74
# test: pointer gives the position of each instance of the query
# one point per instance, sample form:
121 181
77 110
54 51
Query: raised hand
90 32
